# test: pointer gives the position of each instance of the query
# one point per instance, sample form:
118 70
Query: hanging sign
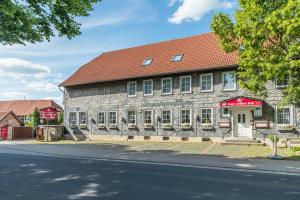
241 102
48 113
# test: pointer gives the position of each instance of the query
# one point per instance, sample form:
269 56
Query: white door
243 118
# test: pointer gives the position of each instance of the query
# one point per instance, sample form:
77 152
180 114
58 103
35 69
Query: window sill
206 91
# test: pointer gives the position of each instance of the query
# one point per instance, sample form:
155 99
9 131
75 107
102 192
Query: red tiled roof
4 114
201 52
26 107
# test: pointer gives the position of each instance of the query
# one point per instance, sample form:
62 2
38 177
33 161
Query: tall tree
35 118
266 36
60 118
33 21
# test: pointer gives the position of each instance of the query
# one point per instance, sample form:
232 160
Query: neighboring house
9 119
24 108
184 87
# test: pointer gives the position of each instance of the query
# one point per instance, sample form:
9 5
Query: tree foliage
35 118
60 118
266 36
33 21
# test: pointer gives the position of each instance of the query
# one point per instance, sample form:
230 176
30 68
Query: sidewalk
122 152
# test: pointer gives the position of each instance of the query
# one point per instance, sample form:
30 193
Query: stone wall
112 96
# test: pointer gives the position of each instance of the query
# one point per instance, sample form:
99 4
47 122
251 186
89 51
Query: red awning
241 101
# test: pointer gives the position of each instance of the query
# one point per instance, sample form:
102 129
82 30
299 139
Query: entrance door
243 118
4 133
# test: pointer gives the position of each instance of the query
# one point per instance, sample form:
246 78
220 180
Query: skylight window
177 57
147 61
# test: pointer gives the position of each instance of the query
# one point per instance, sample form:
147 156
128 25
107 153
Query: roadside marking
208 148
258 171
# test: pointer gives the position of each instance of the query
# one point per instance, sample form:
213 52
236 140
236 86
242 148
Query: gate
22 132
4 133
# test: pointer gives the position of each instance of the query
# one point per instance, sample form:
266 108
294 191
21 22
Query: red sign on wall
48 113
241 102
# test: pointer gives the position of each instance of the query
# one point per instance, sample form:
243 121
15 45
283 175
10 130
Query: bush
271 137
295 149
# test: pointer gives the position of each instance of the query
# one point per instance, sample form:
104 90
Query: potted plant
206 125
101 126
166 126
148 126
132 126
186 126
82 126
285 127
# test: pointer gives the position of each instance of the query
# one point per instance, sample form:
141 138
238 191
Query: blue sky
34 71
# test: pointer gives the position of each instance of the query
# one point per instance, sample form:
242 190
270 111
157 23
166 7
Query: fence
22 132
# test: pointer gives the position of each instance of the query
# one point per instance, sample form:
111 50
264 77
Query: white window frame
211 82
144 87
180 82
291 115
104 115
152 119
171 117
135 117
171 86
109 118
235 84
128 88
180 118
281 86
225 115
85 113
75 114
212 115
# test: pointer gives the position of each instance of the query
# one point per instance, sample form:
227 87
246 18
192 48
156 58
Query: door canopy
241 101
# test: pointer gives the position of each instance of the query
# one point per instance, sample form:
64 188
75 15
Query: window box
101 126
285 127
166 126
186 126
148 126
73 126
82 126
206 126
113 126
132 126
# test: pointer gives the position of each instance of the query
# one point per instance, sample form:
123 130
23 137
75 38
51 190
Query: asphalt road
46 177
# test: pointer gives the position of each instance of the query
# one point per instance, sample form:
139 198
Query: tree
266 37
33 21
60 118
35 118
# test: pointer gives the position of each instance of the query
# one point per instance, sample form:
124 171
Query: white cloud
172 2
194 10
18 68
14 95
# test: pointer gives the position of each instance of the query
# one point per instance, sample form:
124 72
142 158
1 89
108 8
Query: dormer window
177 57
147 61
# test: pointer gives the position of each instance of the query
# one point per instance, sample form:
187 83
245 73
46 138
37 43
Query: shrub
271 137
295 149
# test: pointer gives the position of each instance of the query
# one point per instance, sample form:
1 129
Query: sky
34 71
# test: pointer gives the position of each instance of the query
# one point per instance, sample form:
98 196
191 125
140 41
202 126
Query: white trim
152 118
128 88
135 117
191 118
171 116
80 118
291 115
212 115
235 84
222 112
109 118
187 92
76 119
212 82
169 78
144 87
104 117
